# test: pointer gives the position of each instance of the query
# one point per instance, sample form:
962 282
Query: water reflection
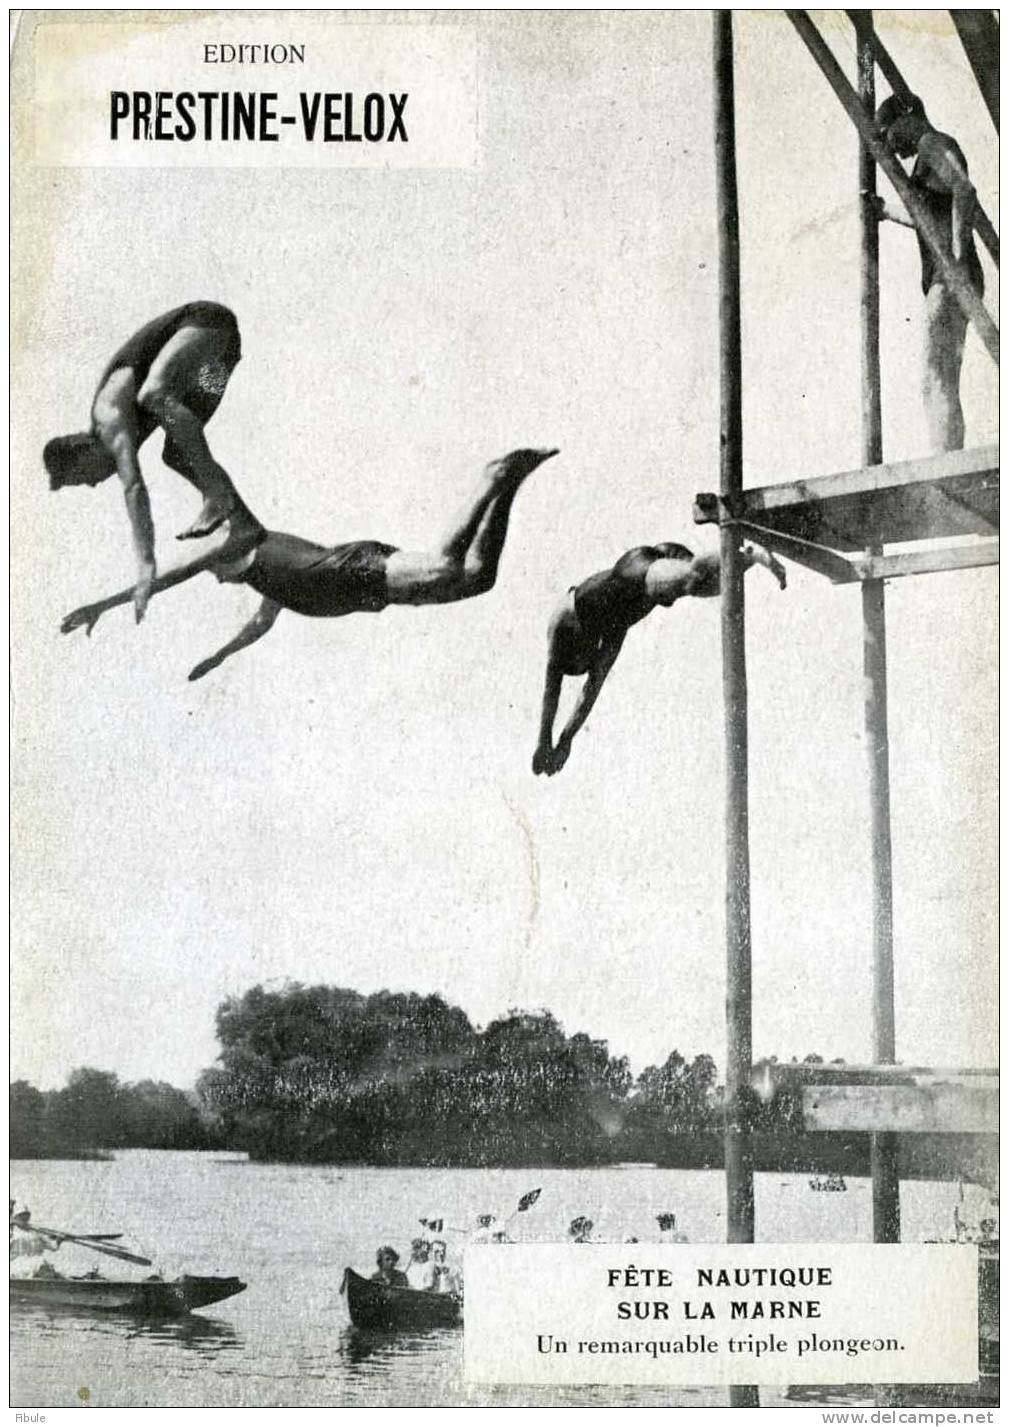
363 1345
205 1336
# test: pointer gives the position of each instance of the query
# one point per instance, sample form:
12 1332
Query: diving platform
884 1099
823 521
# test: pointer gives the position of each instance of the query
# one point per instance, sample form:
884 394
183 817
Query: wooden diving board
935 497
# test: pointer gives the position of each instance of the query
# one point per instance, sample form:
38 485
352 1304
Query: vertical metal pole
738 1007
885 1182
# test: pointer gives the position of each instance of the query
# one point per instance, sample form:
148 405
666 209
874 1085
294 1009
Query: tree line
324 1074
95 1111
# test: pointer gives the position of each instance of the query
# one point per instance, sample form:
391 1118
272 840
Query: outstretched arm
883 211
597 676
551 697
260 623
88 615
114 415
757 555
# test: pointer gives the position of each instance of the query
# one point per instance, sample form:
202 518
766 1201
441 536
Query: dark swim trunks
141 351
313 580
938 199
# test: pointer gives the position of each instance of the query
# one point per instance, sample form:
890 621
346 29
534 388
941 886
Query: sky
351 802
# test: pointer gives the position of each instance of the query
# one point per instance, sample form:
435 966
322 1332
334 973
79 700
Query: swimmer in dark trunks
589 626
364 575
941 181
172 374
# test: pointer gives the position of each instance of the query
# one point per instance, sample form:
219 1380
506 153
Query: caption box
710 1314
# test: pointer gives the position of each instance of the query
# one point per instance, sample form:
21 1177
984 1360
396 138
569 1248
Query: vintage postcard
504 541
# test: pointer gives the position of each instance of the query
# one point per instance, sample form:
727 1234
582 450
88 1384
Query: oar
91 1244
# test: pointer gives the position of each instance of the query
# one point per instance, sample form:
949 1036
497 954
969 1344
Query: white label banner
255 90
710 1314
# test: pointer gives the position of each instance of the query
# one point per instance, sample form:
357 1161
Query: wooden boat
153 1298
377 1306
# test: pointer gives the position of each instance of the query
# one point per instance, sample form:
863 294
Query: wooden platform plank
953 494
933 1107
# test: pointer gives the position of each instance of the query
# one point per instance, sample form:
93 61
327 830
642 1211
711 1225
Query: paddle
93 1243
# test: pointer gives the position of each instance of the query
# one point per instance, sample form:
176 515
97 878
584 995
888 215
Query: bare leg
945 334
458 566
193 361
481 560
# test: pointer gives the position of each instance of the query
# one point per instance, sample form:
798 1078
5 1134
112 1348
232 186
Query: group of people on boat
426 1272
428 1269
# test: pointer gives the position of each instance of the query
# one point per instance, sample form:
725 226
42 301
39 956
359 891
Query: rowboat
377 1306
151 1299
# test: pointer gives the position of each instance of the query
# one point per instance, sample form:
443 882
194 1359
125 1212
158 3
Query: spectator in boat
445 1279
420 1271
387 1258
589 626
484 1232
941 181
580 1230
668 1232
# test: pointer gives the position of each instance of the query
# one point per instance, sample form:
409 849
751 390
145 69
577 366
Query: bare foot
519 464
213 514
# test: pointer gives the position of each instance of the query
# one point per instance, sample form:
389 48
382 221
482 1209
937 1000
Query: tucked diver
291 573
172 374
588 628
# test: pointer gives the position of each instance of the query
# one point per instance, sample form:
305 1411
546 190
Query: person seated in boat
360 575
445 1279
668 1232
589 626
580 1230
387 1258
420 1271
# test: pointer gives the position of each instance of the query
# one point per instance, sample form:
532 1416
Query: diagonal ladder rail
967 299
983 225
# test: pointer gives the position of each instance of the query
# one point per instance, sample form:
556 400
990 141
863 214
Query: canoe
149 1300
376 1306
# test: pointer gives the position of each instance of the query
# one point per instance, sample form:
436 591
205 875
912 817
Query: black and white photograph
504 576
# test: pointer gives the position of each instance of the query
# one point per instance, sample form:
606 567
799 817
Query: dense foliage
95 1111
322 1073
326 1074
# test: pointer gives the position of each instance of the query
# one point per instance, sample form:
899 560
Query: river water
288 1231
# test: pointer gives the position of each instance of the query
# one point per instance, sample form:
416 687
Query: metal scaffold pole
739 1051
885 1182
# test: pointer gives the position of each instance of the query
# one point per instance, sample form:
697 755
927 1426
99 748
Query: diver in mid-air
589 626
361 575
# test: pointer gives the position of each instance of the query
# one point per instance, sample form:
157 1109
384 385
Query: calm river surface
288 1231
